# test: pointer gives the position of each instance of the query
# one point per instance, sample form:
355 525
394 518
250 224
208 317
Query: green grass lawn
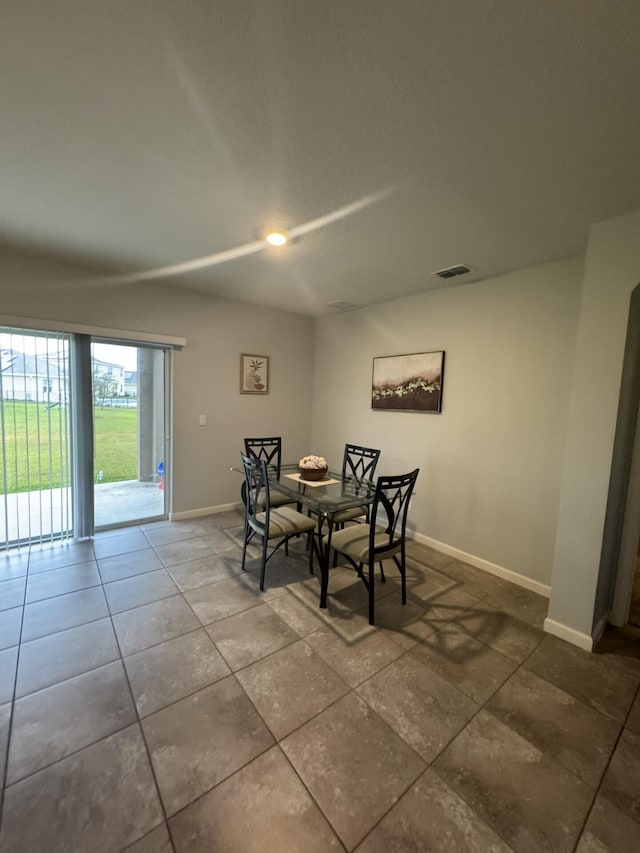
29 430
116 444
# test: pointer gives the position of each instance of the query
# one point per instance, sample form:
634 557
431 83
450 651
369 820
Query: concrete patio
42 514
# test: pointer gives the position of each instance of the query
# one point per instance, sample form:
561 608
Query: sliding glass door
35 437
128 401
82 432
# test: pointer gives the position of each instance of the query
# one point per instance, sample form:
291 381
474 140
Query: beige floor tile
429 579
633 720
8 663
199 741
64 611
301 615
110 546
172 670
223 540
307 592
407 624
621 784
13 563
487 765
127 565
5 716
61 581
209 524
142 589
63 655
505 633
59 554
522 603
179 552
203 571
263 807
347 589
454 599
476 581
355 649
12 593
157 841
609 830
10 626
424 709
153 623
170 532
353 764
222 599
591 678
281 572
426 556
432 817
248 636
291 686
429 588
80 809
572 733
475 669
66 717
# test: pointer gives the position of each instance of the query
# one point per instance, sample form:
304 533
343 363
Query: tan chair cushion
284 521
354 542
349 514
277 499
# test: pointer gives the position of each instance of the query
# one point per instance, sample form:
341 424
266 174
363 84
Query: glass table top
329 495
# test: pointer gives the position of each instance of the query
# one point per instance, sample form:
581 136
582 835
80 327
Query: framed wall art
410 383
254 374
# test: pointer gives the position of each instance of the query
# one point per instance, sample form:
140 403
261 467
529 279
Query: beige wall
206 372
490 464
612 271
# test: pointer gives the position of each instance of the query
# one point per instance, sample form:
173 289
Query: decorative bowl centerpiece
312 468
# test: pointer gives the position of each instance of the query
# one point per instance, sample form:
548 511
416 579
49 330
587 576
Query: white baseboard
205 510
577 638
485 565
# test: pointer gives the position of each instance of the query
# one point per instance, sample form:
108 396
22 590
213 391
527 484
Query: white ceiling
411 135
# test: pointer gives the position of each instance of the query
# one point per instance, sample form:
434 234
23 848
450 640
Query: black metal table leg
324 552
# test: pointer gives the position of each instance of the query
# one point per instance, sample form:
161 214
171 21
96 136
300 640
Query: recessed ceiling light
276 238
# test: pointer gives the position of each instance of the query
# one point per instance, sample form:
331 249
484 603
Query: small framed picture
254 374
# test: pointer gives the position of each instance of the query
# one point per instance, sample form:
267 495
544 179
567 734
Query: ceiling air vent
451 272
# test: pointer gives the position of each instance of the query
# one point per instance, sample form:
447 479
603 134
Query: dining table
324 498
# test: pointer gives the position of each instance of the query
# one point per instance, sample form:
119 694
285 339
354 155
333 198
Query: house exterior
43 378
131 383
108 378
32 378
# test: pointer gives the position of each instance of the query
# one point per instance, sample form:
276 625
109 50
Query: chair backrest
390 507
267 449
359 462
256 491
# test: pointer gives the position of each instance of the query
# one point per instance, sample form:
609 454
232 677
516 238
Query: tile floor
153 700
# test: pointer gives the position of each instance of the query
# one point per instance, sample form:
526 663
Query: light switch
203 420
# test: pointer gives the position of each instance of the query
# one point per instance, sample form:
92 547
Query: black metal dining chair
358 463
265 520
371 543
270 451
